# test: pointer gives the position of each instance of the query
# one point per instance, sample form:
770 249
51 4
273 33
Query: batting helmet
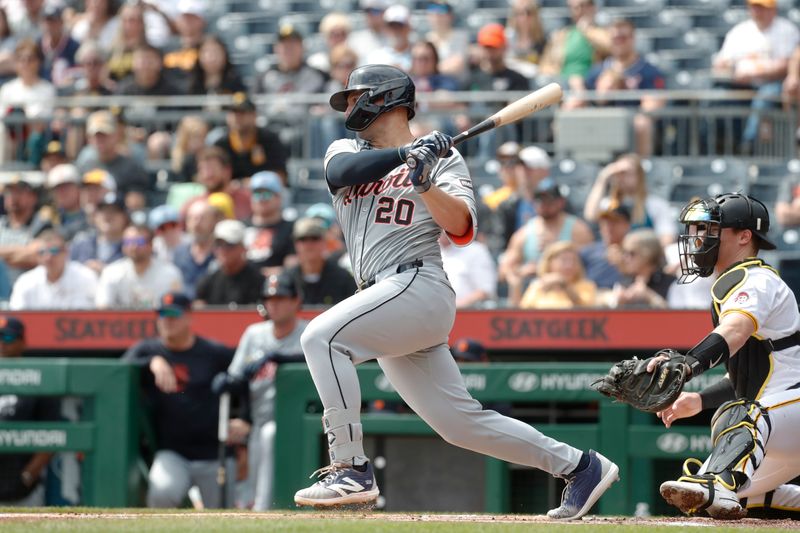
699 250
381 83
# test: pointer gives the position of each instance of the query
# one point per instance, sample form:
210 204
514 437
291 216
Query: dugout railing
633 440
106 434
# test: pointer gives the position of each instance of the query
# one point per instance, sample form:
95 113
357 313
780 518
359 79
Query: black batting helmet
379 82
699 252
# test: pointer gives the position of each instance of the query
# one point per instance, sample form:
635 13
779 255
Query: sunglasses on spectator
167 226
135 241
374 11
52 250
170 313
263 195
309 239
8 338
219 244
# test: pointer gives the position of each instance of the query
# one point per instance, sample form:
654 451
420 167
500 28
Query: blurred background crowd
157 146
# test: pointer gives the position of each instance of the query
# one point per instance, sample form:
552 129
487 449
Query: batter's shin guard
345 437
739 433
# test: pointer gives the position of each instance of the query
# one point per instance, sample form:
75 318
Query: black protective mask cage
366 110
698 253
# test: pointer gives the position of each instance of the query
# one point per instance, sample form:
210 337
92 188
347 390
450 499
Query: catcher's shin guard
739 433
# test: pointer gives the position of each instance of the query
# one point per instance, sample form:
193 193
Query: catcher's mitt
629 381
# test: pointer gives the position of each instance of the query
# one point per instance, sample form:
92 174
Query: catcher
756 336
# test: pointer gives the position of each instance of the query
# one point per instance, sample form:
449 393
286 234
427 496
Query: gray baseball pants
403 321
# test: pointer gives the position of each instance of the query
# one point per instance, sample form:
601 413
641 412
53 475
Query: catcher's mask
384 88
703 220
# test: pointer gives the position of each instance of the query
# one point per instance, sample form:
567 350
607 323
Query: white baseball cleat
342 485
695 493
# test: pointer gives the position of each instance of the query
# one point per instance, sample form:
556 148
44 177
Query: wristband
708 353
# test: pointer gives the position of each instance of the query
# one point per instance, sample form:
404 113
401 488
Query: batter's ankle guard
345 436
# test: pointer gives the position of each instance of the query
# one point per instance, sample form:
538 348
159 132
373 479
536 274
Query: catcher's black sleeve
355 168
717 393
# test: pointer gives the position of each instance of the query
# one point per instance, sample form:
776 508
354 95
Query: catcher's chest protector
750 368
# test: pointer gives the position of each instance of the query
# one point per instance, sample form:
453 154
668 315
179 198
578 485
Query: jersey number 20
400 211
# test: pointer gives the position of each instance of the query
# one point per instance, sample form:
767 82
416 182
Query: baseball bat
536 101
222 437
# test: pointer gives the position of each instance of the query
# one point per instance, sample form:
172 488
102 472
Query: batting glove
439 143
421 160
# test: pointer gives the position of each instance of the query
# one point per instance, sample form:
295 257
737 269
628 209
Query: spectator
8 43
571 51
561 282
91 75
105 153
466 350
191 26
97 23
451 43
96 184
291 74
21 473
215 173
148 77
236 282
214 73
58 48
372 36
195 257
131 35
321 280
551 224
164 221
137 281
334 240
755 55
53 156
644 284
189 140
526 38
397 50
262 347
177 369
601 259
507 156
427 79
18 226
791 84
334 28
26 18
329 126
514 212
57 283
250 147
102 245
471 271
624 182
787 212
268 237
65 213
626 70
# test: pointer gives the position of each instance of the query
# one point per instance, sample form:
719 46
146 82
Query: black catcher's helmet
385 82
699 247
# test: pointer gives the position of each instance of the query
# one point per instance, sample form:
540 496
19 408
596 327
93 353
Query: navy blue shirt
598 269
641 75
192 271
85 247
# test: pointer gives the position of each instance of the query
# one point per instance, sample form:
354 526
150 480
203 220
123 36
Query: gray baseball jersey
257 341
385 222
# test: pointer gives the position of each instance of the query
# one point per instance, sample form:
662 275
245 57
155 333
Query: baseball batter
394 195
757 337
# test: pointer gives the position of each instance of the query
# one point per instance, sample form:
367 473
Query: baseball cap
534 157
322 212
230 231
61 174
173 304
114 200
23 180
241 102
11 328
397 14
507 150
374 4
161 215
100 177
53 10
266 180
54 148
308 227
492 35
280 285
288 31
439 6
763 3
192 7
614 209
468 350
101 122
223 202
548 187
